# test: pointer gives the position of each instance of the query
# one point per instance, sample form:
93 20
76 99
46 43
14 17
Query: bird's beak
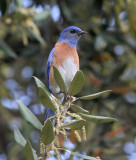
82 32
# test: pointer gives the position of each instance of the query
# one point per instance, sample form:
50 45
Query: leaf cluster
56 125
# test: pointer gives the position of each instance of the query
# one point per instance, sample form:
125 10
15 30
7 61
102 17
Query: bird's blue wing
49 62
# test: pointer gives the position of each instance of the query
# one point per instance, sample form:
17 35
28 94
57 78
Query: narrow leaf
95 95
7 49
28 151
29 116
80 155
97 119
17 4
45 99
18 137
45 96
37 37
47 134
21 140
40 84
77 83
59 80
78 109
75 124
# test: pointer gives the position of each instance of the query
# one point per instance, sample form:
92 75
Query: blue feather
49 114
49 62
71 39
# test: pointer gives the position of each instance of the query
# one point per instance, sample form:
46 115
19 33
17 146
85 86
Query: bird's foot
66 97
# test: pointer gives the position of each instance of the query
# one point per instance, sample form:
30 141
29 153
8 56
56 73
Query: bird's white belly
68 71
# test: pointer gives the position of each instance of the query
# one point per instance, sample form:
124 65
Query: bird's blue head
71 35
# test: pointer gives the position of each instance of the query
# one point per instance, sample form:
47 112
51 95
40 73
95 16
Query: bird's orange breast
61 53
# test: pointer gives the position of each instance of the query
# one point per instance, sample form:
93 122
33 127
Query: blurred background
29 30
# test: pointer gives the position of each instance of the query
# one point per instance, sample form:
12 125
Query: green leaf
28 151
47 133
80 155
7 50
46 100
40 84
18 4
37 37
75 124
18 137
45 96
78 109
29 116
59 80
42 15
77 83
21 140
95 95
97 119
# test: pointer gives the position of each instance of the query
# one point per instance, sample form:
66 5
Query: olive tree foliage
62 120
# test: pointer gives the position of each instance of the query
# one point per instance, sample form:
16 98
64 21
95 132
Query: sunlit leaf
45 96
97 119
78 109
77 83
18 137
28 151
42 15
94 96
29 116
59 80
80 155
17 4
47 134
40 84
75 124
19 15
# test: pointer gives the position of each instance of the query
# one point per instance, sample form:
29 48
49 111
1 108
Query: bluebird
65 58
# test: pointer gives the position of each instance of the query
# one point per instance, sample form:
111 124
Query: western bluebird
64 56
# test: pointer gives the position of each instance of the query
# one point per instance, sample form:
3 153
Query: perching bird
64 56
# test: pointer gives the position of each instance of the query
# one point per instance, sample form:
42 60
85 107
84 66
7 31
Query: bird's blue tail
49 114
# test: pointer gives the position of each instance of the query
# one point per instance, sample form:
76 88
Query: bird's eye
72 31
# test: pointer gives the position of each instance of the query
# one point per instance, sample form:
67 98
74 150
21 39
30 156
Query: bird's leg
66 97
